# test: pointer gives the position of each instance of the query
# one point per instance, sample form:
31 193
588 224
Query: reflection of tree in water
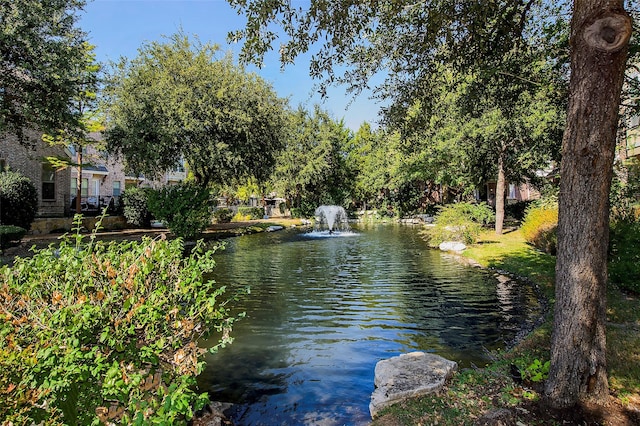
322 312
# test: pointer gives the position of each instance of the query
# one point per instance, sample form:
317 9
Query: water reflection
322 312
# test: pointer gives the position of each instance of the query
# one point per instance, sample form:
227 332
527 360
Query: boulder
456 246
408 375
274 228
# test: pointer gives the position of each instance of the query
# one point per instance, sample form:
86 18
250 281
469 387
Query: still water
323 311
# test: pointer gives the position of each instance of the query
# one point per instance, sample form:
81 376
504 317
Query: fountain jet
332 219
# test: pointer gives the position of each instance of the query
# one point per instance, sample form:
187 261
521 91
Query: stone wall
65 224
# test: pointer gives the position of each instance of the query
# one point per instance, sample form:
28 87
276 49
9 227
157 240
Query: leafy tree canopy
312 170
178 100
405 38
42 52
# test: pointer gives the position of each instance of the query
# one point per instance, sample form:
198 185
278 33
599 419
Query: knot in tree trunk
608 34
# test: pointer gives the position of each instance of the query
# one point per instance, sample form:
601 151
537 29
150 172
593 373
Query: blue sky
119 27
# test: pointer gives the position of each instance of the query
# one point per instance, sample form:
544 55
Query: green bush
10 233
459 222
136 207
18 200
625 191
184 208
517 210
539 226
94 332
223 215
624 256
254 213
239 217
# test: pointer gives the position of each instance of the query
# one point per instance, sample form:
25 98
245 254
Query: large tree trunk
500 192
600 31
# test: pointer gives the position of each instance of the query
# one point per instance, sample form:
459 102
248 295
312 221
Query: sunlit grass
511 253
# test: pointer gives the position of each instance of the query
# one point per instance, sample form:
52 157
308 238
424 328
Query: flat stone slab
455 246
408 375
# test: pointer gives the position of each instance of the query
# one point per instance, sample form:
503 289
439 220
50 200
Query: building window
48 182
85 188
512 191
116 188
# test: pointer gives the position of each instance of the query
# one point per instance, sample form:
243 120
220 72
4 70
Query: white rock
408 375
456 246
273 228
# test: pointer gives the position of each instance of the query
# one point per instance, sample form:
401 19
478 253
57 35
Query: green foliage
10 233
223 215
625 192
239 217
459 222
539 226
311 170
18 200
535 372
254 213
135 207
106 332
39 40
517 210
184 208
179 100
624 255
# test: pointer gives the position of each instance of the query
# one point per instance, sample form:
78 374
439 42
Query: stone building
53 186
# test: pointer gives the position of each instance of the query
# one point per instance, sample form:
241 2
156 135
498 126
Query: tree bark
600 31
500 192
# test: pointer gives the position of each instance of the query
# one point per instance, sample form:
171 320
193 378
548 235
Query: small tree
184 208
18 200
84 108
136 208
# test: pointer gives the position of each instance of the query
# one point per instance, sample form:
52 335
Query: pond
323 311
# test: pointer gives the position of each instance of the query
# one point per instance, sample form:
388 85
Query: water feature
330 220
323 311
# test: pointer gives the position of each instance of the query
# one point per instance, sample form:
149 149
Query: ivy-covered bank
105 332
510 388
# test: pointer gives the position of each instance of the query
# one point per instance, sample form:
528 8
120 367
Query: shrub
18 200
624 256
625 189
223 215
10 233
184 208
517 210
459 222
94 332
136 207
254 213
239 217
539 226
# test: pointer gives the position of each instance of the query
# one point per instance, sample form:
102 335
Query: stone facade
52 186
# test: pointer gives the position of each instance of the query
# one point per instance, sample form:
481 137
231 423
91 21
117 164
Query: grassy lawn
474 393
